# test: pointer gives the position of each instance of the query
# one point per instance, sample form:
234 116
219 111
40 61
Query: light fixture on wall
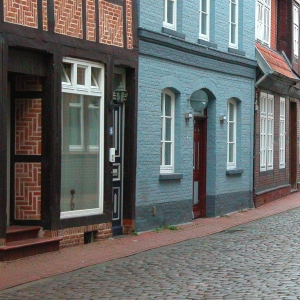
119 97
222 118
198 100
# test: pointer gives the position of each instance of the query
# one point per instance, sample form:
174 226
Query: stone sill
234 172
173 176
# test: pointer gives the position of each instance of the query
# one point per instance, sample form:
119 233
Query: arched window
231 133
167 131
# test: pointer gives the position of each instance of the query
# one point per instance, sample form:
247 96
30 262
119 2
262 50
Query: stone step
28 247
17 233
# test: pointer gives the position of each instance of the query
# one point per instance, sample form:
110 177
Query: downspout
258 82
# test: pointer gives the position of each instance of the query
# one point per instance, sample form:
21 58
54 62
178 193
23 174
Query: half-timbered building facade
67 118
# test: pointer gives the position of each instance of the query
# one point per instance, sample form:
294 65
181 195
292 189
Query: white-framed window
167 131
170 14
82 165
263 20
266 131
204 19
231 133
233 23
296 30
282 133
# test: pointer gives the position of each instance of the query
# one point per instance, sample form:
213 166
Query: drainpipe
258 82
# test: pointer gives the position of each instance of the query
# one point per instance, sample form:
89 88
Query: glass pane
231 112
204 5
167 154
168 129
231 132
170 12
231 152
233 38
93 122
233 10
75 126
167 105
66 74
203 24
161 147
80 170
95 77
81 75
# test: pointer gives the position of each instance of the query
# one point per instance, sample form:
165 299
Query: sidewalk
69 259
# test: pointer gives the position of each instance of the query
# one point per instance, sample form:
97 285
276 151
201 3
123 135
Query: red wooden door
199 174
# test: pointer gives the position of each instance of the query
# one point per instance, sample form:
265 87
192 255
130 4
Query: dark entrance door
117 200
26 146
293 145
199 174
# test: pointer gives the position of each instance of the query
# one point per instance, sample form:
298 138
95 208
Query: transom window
233 24
231 133
266 131
204 19
282 133
296 30
263 20
167 131
82 138
170 14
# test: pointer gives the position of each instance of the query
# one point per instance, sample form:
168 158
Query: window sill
207 44
234 172
236 51
173 33
171 176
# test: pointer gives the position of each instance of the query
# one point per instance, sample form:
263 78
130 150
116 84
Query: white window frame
231 140
166 24
233 24
71 86
163 167
266 131
296 29
201 14
282 133
263 21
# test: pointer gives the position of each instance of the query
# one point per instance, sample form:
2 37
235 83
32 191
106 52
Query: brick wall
75 236
22 12
274 12
272 181
69 19
111 23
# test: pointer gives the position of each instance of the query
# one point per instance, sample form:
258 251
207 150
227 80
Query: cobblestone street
258 260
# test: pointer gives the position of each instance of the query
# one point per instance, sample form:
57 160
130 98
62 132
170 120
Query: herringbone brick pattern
68 17
27 191
111 24
22 12
129 24
90 20
28 127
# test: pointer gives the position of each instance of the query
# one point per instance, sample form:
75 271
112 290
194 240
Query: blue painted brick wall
168 66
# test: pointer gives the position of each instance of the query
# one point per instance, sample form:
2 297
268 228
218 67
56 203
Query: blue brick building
195 112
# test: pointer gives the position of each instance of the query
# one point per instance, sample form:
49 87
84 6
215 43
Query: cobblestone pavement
258 260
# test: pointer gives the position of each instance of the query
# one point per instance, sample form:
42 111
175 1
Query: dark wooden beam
130 146
4 109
